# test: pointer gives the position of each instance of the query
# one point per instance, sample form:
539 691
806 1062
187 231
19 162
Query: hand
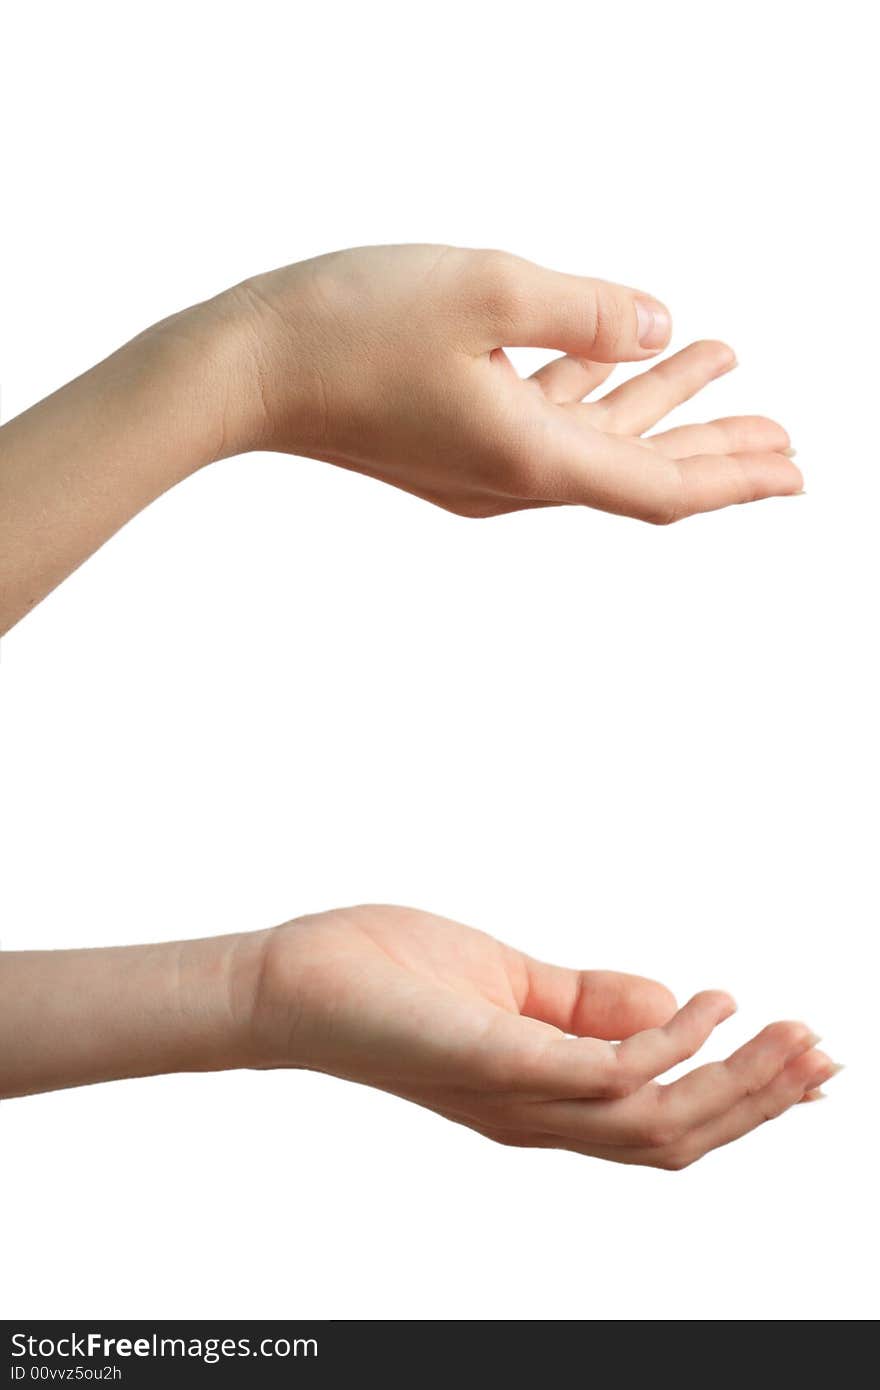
390 361
468 1027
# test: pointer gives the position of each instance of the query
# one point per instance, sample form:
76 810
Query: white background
285 687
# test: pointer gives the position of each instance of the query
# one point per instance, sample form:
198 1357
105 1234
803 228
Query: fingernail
789 453
813 1040
655 324
836 1067
816 1094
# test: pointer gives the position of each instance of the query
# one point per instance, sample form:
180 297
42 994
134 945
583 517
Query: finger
809 1071
654 1116
652 1052
732 435
793 1084
569 379
707 482
711 1090
641 402
561 1067
592 1003
631 479
518 304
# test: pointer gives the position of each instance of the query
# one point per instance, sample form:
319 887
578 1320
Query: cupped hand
390 361
519 1050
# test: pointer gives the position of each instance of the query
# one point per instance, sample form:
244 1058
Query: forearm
79 464
71 1018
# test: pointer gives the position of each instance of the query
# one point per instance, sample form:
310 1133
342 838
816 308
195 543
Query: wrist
215 985
267 395
276 979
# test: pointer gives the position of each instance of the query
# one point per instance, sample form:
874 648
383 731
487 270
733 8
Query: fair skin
410 1003
390 361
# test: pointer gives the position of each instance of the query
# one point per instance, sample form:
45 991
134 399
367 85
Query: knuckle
609 318
752 1086
675 1160
660 1133
768 1111
476 509
618 1084
611 1090
474 505
512 1139
667 504
661 514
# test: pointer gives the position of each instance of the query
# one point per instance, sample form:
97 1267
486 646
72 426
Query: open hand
458 1022
390 361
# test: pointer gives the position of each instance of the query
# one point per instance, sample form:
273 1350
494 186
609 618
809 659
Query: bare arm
410 1003
78 465
388 361
72 1018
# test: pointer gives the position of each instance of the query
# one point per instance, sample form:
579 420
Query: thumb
525 305
594 1003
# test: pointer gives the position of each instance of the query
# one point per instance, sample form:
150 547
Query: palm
418 951
403 978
